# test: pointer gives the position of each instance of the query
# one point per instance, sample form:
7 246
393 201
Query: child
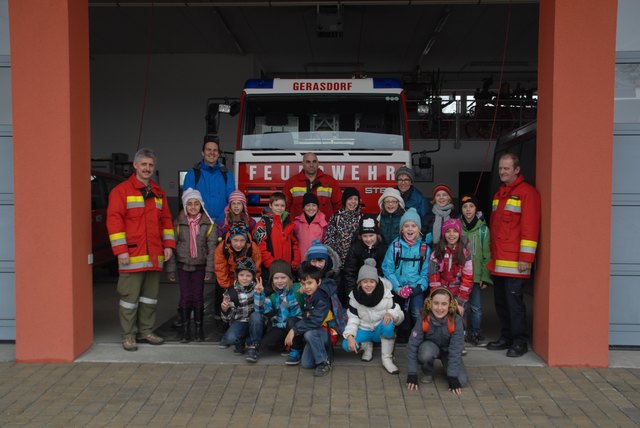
274 234
324 258
236 246
238 310
311 334
343 225
451 265
373 316
311 224
441 211
368 245
236 212
195 243
391 210
476 232
437 334
405 265
282 307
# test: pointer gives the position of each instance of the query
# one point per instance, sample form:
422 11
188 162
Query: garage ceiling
410 40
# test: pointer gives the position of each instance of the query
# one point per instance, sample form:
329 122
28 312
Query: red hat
440 187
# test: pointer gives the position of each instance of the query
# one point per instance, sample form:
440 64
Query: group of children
353 278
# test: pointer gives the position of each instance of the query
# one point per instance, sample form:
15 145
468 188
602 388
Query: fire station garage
85 83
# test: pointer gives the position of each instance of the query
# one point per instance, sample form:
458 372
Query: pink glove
405 292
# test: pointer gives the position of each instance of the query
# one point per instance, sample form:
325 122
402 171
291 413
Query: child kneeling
373 316
309 339
239 311
439 334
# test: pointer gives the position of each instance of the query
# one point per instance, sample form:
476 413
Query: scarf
441 213
194 225
309 219
471 225
369 300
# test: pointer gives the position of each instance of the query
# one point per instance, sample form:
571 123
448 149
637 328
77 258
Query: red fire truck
357 127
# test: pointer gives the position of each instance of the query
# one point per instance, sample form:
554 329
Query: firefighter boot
199 318
185 324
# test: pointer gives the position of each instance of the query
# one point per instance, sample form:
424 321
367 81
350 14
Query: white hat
391 192
189 194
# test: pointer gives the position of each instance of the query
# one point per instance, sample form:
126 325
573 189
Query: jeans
315 348
381 330
510 308
427 354
238 331
473 309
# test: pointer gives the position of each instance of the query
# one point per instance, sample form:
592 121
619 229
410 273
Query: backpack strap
397 251
426 323
423 253
197 173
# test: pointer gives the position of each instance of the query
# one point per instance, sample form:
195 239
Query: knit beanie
368 225
317 251
246 263
440 187
368 271
238 229
193 194
410 215
404 170
390 192
452 223
349 192
237 195
280 266
468 198
310 198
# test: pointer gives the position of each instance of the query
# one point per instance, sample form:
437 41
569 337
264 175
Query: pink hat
452 223
237 195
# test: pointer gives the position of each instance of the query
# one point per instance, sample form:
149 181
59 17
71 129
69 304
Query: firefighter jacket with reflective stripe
139 223
325 188
515 227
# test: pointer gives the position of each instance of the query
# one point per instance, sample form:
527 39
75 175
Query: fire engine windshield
323 122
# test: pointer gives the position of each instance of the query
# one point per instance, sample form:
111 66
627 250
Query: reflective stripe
325 191
135 202
527 246
168 234
137 262
148 301
128 305
119 238
510 267
494 204
298 191
513 205
158 203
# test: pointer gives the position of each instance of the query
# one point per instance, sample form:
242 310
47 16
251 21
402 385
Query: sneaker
252 354
464 351
284 353
151 339
426 376
238 348
129 344
322 369
472 339
223 346
294 358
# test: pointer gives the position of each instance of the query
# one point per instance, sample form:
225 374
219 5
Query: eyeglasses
404 180
391 201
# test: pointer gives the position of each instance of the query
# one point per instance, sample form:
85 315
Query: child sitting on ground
238 309
438 334
309 339
373 316
282 307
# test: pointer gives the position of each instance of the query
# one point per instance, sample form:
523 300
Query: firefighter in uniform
515 227
141 234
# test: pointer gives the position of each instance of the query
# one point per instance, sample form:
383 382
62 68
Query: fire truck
357 127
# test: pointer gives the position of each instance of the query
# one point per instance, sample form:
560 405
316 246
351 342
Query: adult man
312 180
141 235
212 179
515 226
412 197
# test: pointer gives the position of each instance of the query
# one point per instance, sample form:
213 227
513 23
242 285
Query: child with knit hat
442 209
282 308
238 309
237 245
324 258
372 317
405 265
236 212
391 210
196 241
311 224
451 264
368 245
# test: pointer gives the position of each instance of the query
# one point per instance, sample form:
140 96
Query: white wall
174 125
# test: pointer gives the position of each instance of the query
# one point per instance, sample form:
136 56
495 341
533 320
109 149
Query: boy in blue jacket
311 333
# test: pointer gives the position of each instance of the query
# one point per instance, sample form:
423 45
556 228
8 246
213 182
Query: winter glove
405 292
454 383
412 378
